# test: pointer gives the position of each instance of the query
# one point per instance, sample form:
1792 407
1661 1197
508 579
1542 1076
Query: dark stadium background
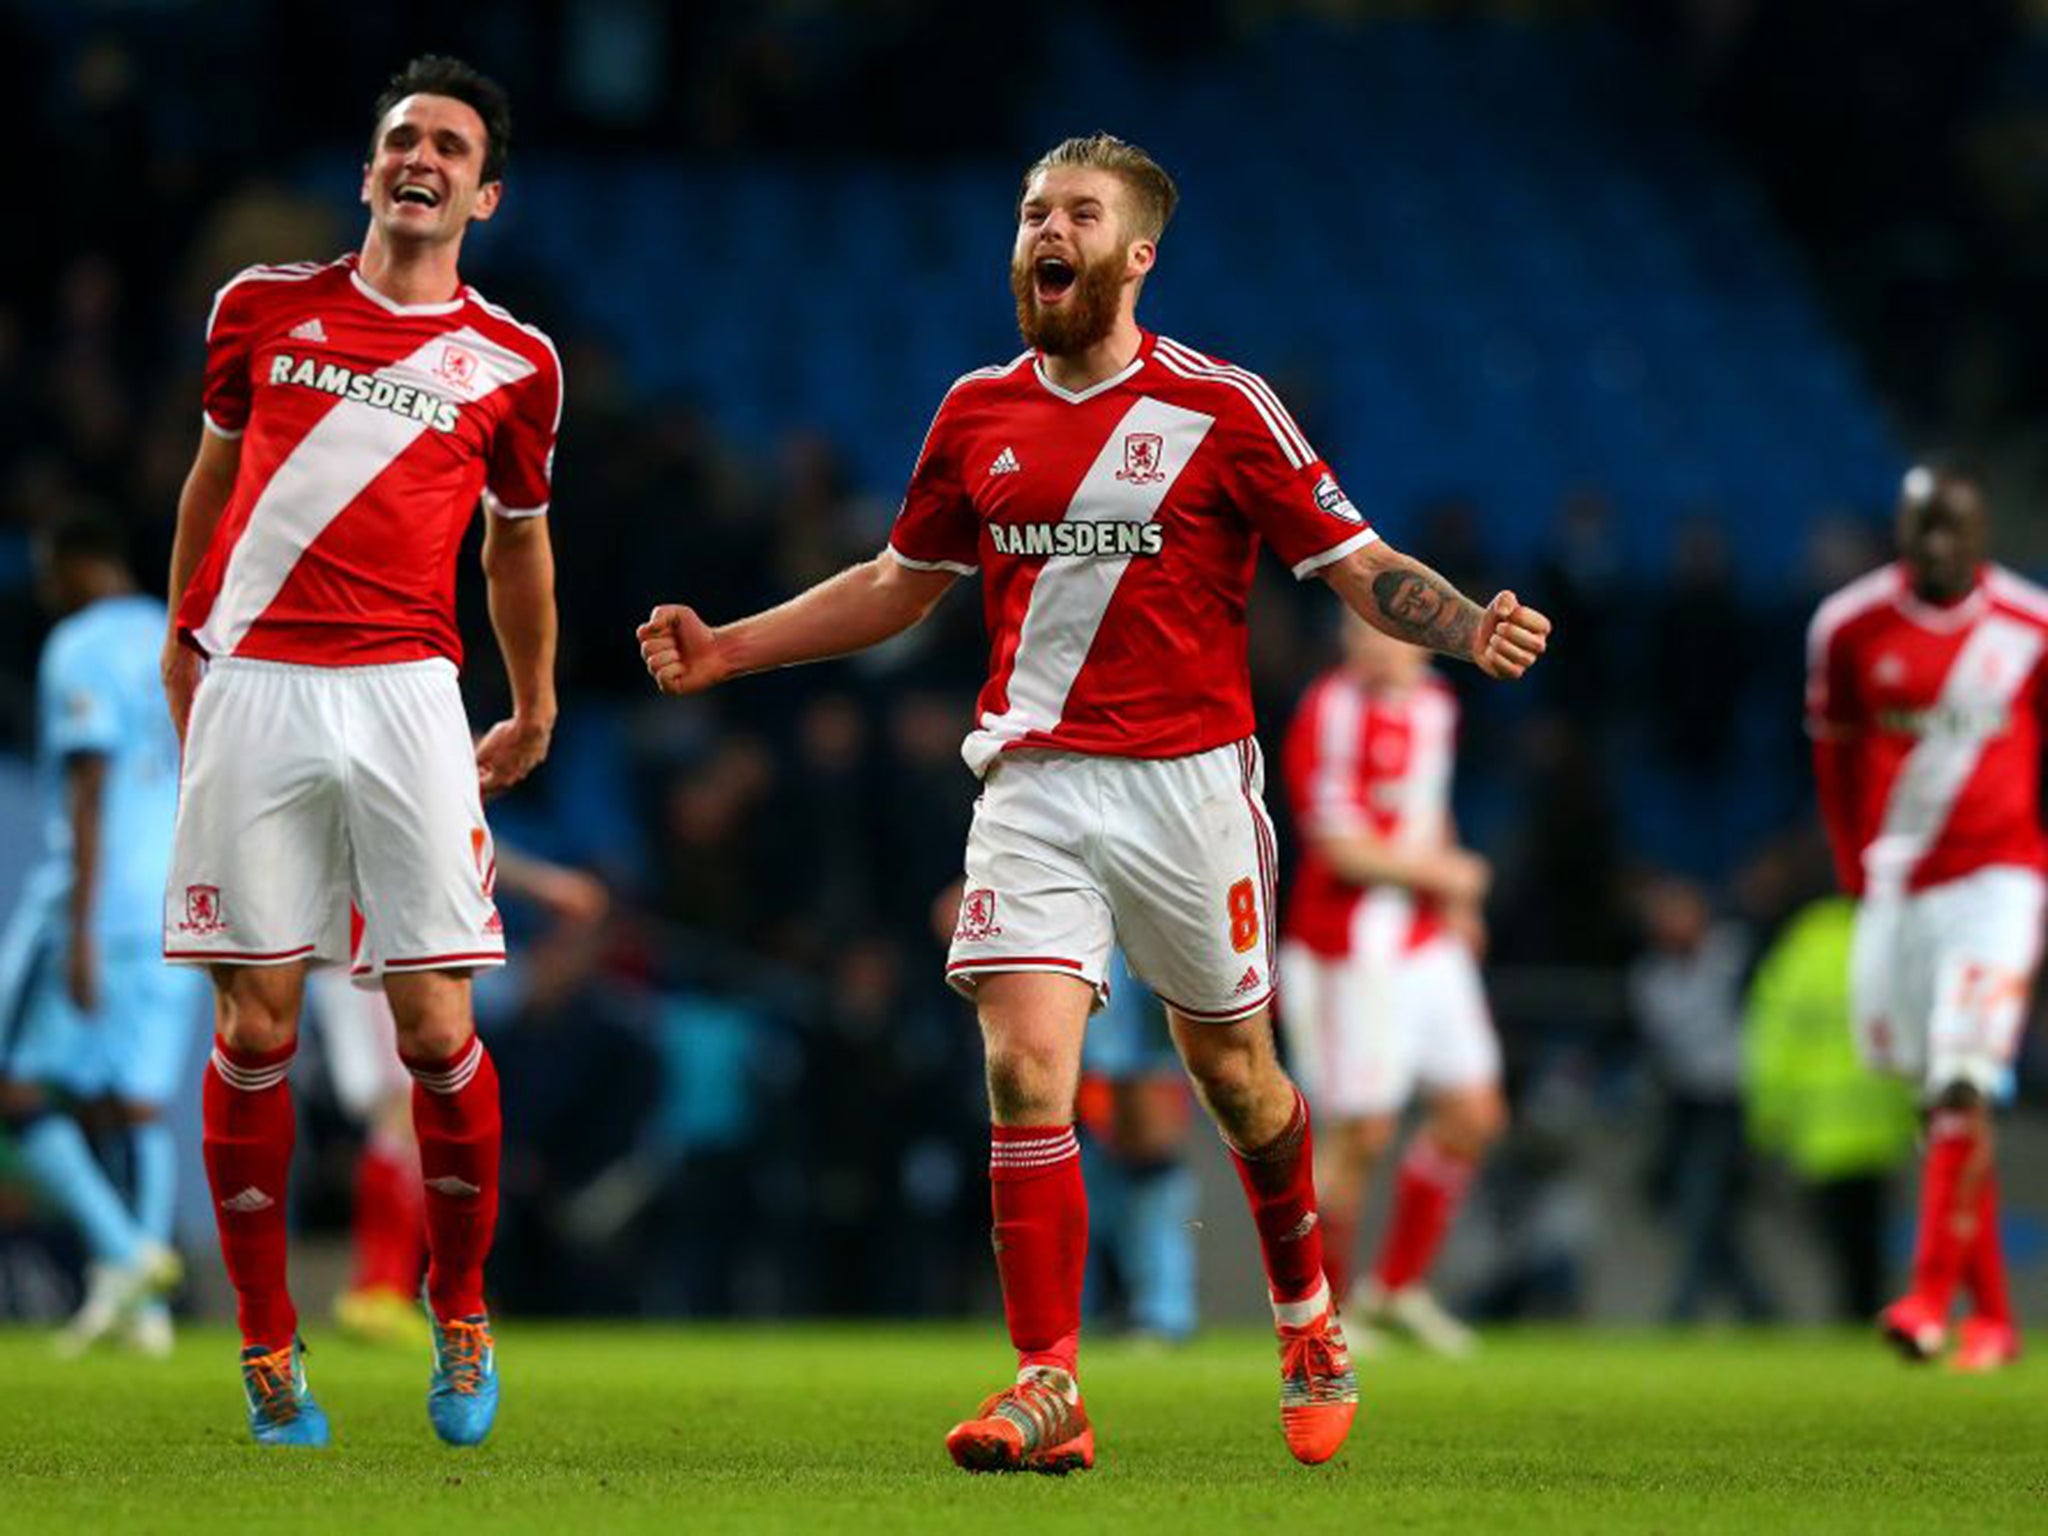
1641 308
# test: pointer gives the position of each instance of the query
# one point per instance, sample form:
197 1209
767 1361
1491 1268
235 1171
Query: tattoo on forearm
1421 608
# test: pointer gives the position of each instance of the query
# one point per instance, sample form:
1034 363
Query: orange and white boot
1318 1387
1038 1425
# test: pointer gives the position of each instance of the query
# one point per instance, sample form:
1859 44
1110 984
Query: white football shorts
307 788
1173 858
1939 979
1365 1031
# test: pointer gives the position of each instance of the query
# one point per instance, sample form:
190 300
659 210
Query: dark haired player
1113 486
1927 692
357 412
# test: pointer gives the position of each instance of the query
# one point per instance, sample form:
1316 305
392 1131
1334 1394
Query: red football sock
390 1215
1938 1250
1041 1238
1279 1182
1340 1240
1430 1188
246 1111
455 1116
1984 1267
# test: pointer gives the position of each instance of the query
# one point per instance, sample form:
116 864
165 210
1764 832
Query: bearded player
1379 971
356 413
1926 689
1113 487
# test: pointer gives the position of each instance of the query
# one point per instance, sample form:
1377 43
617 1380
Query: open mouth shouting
1052 278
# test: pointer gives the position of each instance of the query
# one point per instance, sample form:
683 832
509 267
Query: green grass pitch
821 1430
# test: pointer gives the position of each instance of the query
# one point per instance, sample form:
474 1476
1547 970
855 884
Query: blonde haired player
1380 987
1112 488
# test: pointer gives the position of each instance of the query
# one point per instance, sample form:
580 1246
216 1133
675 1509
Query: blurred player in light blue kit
91 1019
1141 1192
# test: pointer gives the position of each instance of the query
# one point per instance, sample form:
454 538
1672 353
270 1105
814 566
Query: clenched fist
681 651
1511 636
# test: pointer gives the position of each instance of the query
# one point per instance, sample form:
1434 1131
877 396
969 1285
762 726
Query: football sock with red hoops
249 1126
1938 1249
455 1116
1427 1193
390 1215
1041 1238
1279 1182
1984 1266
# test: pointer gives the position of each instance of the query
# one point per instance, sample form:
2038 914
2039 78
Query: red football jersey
370 432
1927 729
1116 530
1357 760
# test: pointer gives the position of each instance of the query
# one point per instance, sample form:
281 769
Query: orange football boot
1915 1327
1318 1388
1038 1425
1985 1344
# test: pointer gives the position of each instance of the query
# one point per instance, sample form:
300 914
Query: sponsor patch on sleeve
1330 498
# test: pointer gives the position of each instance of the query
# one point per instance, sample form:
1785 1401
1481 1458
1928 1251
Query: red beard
1087 316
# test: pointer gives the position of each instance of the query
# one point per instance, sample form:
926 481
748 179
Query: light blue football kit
98 693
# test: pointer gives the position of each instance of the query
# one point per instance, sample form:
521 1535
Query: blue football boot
462 1398
281 1406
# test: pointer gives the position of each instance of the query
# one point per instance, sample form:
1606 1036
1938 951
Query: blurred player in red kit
1927 685
1380 988
357 412
1112 488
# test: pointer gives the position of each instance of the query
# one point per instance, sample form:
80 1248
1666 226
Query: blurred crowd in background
744 1087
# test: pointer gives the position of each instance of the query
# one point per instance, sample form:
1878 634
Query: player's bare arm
1451 873
1402 597
860 607
85 784
519 565
208 485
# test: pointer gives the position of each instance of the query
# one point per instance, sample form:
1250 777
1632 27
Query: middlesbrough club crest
457 367
1142 453
202 910
977 917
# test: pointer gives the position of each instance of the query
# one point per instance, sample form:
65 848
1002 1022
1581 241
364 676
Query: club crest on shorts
202 910
977 917
1142 453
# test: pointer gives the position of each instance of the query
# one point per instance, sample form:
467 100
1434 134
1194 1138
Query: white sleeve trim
498 509
1335 553
217 429
931 565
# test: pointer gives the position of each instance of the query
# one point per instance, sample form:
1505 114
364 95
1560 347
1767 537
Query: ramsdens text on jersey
1956 720
366 389
1106 540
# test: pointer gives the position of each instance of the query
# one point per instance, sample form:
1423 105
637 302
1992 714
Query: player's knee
1470 1124
1367 1140
434 1036
1230 1079
1027 1086
247 1025
1960 1095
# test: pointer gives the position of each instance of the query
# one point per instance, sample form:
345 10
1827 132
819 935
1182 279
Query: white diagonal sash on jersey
1987 672
1073 592
331 466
